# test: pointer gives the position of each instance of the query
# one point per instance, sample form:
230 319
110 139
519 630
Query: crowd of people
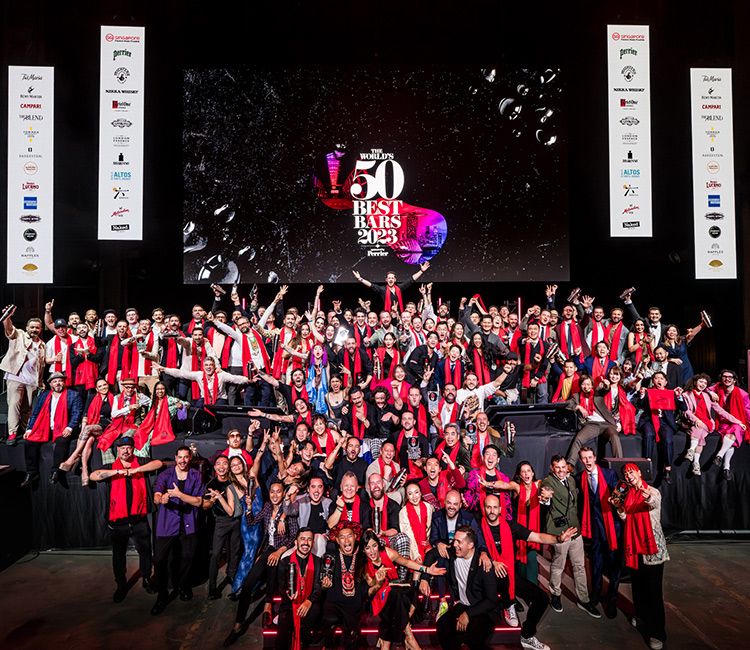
368 478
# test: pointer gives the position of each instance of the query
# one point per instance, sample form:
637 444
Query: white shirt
462 575
52 408
50 351
482 393
29 374
451 525
236 352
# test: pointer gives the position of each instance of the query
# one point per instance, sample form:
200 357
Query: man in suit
662 364
596 419
562 514
659 421
447 520
570 336
597 364
314 510
423 357
654 325
601 525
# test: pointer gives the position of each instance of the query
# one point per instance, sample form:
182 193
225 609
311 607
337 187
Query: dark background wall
569 35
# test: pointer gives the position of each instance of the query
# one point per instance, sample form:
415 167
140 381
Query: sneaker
532 643
696 469
11 441
511 618
442 609
590 609
655 644
690 455
556 604
719 461
727 474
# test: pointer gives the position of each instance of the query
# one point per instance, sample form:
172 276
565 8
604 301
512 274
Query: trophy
413 450
6 313
574 294
509 429
432 400
218 289
471 432
377 516
625 294
327 569
291 584
396 480
617 497
706 320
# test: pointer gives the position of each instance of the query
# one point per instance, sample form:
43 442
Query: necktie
568 339
593 481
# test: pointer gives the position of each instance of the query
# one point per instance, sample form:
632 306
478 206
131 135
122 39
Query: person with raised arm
392 292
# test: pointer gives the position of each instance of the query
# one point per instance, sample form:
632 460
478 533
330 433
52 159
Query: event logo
714 216
629 138
628 72
122 123
117 53
713 167
121 140
118 227
122 74
712 134
714 232
29 234
31 77
630 121
628 50
629 158
30 268
714 201
122 38
713 185
630 190
120 193
716 264
30 168
616 36
30 203
120 212
30 94
30 218
712 118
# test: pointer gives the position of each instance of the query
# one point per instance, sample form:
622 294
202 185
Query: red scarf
575 338
42 428
418 523
226 346
381 595
87 370
358 336
192 325
357 425
196 365
418 337
247 357
443 486
528 516
299 394
93 415
307 419
392 466
210 393
457 376
515 339
330 443
736 403
158 423
598 371
119 424
303 593
453 453
353 372
355 510
638 339
639 534
505 555
478 448
113 364
574 387
598 333
624 408
389 291
420 417
701 410
403 392
602 491
529 363
587 401
395 360
659 400
62 365
172 350
414 471
614 332
118 499
147 362
383 513
280 363
481 368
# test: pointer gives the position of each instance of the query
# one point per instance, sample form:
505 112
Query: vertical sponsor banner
121 133
713 173
30 174
629 87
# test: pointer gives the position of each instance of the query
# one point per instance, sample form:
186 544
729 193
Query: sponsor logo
715 247
714 201
712 134
30 133
30 118
713 167
713 185
121 176
30 203
29 234
714 232
711 107
714 216
629 158
122 74
631 209
122 123
630 121
29 218
712 118
30 268
121 140
120 212
629 138
120 160
628 50
31 77
119 105
716 264
712 79
630 190
617 36
117 53
122 38
631 224
29 186
628 72
630 173
117 227
30 168
628 103
121 91
120 193
31 106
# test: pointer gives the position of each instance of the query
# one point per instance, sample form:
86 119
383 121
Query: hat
109 311
55 375
511 356
125 440
60 322
127 382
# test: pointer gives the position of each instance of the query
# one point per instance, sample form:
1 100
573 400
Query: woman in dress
677 349
156 428
337 398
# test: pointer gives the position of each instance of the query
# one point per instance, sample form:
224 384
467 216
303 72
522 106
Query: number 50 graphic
366 186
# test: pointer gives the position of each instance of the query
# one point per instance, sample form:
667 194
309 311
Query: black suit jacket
283 572
481 587
439 527
597 518
415 366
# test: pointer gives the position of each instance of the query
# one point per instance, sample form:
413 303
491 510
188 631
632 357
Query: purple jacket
169 515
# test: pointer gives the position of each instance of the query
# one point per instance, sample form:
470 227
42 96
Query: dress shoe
668 476
54 476
159 606
610 610
186 594
727 474
231 638
214 594
718 460
120 594
148 586
267 619
11 441
29 479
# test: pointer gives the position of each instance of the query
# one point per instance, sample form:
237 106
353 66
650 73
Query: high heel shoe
410 640
67 466
84 480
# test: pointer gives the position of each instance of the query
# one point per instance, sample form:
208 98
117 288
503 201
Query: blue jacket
75 408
